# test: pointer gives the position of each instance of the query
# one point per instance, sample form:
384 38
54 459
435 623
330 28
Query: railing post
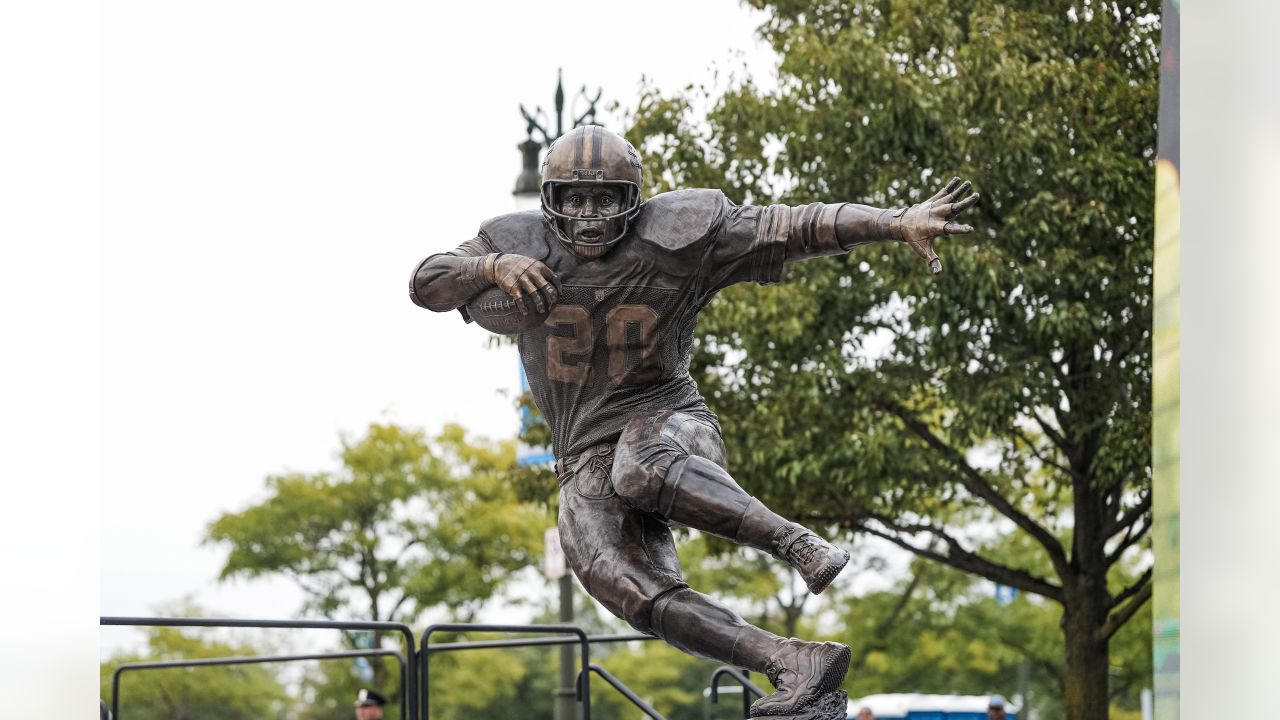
748 687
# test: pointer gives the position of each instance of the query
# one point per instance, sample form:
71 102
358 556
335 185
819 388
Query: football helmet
589 155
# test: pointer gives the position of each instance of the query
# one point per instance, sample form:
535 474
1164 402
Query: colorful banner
1166 485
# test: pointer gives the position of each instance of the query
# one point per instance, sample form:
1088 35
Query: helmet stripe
590 148
597 159
577 149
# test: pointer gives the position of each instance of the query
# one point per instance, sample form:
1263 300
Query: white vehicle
916 706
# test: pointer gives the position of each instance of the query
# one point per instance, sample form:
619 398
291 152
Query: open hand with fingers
919 224
532 284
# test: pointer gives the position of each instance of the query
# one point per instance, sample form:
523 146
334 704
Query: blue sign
525 455
1005 594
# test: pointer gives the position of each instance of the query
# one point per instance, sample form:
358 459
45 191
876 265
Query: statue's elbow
421 294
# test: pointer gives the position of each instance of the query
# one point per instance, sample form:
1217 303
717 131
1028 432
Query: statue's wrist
490 268
892 220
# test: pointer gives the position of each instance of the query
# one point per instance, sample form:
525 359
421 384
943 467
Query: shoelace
803 548
773 670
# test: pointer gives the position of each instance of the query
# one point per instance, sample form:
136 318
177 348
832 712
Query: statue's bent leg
626 559
673 464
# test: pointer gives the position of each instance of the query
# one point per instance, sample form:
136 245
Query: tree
940 630
234 692
1015 388
406 524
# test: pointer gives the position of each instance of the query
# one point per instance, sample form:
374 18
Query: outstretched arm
819 229
447 281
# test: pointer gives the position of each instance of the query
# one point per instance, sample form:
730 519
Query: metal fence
415 663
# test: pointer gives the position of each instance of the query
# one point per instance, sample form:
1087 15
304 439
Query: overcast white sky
272 173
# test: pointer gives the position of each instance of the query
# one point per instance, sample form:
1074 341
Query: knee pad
655 451
699 493
643 614
658 610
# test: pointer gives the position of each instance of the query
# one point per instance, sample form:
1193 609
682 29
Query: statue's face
595 212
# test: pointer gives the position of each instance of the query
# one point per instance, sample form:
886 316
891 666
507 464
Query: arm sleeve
752 242
820 229
748 245
447 281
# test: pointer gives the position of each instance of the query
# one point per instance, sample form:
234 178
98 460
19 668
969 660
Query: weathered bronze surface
637 447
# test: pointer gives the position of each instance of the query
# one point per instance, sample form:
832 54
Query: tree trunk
1085 689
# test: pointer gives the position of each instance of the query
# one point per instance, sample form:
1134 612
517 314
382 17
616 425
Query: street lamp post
527 197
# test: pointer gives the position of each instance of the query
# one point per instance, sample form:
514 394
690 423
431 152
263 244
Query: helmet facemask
590 218
600 166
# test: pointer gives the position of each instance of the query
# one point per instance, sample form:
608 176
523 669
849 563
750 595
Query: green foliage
329 688
406 524
236 692
1015 388
941 631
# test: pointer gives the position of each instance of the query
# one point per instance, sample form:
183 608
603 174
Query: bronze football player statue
620 282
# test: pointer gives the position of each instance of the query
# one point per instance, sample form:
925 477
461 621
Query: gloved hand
529 281
920 223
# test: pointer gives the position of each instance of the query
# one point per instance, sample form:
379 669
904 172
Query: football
496 311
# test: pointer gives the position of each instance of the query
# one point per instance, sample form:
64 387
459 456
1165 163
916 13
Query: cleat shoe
803 673
817 561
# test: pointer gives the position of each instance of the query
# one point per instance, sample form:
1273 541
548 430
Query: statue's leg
626 559
673 464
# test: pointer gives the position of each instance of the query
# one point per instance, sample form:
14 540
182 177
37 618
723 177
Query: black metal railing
250 660
583 692
411 655
415 663
748 688
623 689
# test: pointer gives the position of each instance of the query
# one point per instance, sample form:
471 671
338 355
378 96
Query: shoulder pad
522 233
680 219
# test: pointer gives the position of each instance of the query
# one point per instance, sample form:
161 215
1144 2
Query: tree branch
396 607
405 549
880 639
1114 494
960 558
1143 581
1034 451
310 590
1137 594
1140 509
1052 432
1130 538
978 485
1051 669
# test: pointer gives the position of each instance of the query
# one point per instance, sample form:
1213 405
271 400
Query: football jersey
619 341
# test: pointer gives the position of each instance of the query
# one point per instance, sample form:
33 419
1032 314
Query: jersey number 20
631 335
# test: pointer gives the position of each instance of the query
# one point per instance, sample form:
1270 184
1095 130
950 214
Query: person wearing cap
995 708
369 705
